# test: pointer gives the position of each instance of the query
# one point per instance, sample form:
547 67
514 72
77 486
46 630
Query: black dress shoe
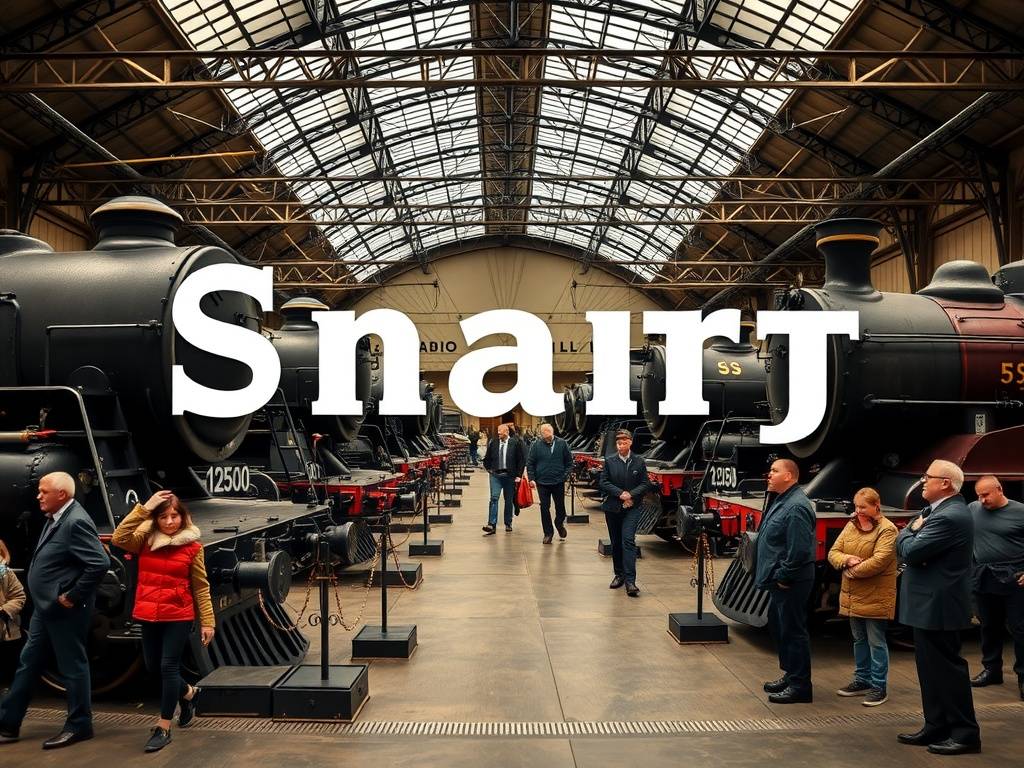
791 696
632 589
66 739
160 739
8 736
776 686
562 533
508 529
921 738
489 530
547 540
617 582
987 677
953 747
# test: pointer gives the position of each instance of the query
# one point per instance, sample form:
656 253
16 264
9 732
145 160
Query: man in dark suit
66 568
504 460
624 480
785 551
935 599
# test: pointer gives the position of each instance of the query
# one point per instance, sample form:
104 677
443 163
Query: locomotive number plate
225 479
722 477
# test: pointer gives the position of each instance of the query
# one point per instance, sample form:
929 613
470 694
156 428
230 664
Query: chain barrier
703 550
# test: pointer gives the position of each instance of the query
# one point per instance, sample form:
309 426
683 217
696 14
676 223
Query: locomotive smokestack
135 222
847 245
298 313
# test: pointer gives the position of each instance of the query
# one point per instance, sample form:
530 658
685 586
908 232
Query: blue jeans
501 484
870 651
473 455
622 534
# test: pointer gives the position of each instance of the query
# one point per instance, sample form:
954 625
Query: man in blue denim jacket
785 568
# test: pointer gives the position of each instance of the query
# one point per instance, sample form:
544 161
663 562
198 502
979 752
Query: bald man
998 578
785 569
935 599
68 563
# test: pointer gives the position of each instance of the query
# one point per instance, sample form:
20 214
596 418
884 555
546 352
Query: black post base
451 502
462 483
440 518
432 548
449 491
604 547
687 628
239 691
584 519
302 695
374 643
409 573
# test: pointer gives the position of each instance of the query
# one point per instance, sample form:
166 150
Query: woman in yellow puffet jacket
865 552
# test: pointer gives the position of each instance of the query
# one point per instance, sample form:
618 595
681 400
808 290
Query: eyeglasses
926 477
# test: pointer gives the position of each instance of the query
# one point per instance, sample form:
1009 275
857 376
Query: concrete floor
513 631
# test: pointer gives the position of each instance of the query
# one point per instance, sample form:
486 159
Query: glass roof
597 131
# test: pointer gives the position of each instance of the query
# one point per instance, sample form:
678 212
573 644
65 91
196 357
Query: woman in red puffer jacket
172 593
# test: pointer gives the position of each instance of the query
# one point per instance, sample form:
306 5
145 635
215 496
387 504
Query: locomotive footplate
223 520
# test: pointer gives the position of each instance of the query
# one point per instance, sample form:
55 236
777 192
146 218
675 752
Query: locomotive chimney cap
304 303
135 221
137 204
847 230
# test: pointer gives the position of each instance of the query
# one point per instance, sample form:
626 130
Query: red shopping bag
524 494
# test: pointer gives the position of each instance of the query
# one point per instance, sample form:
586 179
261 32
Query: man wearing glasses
935 600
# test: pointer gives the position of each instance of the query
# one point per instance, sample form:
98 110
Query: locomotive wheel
111 664
668 534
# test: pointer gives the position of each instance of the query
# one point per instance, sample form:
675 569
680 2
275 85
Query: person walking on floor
935 599
504 460
865 552
624 480
474 446
548 466
172 592
66 568
998 579
785 551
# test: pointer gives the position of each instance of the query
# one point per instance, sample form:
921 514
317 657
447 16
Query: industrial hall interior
570 383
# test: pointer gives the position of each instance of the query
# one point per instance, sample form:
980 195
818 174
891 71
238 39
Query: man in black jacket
504 460
998 579
624 480
935 599
785 568
66 569
548 466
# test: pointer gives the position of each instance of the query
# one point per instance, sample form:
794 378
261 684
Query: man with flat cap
624 480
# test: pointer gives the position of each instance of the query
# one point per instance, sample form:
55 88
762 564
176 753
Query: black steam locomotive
936 374
685 454
86 350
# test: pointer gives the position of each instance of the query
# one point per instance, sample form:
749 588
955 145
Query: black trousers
163 644
546 493
66 635
787 622
997 613
945 686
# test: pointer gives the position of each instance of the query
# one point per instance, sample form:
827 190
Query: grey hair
951 471
62 481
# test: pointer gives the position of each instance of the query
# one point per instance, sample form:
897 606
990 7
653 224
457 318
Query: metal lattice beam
333 70
62 25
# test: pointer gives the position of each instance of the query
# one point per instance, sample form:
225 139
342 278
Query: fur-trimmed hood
157 539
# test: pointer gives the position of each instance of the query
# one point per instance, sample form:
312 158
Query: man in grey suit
66 568
935 599
624 480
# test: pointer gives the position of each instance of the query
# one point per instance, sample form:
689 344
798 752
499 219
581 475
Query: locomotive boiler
86 349
933 375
